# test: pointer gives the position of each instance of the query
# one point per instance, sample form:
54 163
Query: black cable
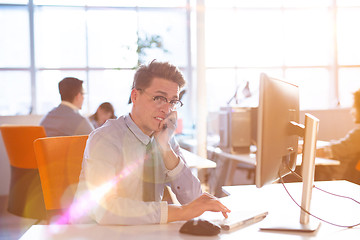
334 194
334 224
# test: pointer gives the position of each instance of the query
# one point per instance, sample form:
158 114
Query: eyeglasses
161 100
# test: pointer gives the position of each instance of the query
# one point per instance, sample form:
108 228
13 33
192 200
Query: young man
112 187
346 150
65 119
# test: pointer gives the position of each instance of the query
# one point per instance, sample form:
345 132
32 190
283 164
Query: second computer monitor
276 142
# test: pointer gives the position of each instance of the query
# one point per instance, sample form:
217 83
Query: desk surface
195 161
273 198
250 158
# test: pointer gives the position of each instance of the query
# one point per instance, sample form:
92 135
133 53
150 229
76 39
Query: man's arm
195 208
346 148
184 184
170 158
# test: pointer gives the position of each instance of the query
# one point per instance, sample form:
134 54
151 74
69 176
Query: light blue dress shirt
110 187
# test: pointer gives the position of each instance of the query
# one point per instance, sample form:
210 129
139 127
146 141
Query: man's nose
166 107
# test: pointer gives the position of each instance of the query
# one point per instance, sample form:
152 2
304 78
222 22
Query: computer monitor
278 131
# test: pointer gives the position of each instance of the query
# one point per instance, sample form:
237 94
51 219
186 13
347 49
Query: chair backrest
18 141
59 161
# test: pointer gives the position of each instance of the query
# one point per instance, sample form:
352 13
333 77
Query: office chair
25 193
59 161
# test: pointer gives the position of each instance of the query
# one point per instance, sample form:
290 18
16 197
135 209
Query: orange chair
358 166
59 161
25 194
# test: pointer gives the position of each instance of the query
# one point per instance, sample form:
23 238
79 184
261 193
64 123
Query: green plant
148 42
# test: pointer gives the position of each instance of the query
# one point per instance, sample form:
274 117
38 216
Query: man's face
145 112
79 99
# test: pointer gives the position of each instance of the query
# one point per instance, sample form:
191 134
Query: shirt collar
145 139
69 104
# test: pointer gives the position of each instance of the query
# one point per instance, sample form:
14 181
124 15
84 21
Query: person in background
104 112
65 119
129 160
347 149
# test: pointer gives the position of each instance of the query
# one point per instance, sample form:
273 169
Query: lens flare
89 199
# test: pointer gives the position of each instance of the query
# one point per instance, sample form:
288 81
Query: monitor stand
293 227
308 171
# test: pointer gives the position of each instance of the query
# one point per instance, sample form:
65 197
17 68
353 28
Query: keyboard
238 219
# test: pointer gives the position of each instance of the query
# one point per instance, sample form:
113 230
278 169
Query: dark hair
146 73
70 87
107 107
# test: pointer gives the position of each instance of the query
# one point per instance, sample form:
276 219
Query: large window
314 44
96 41
15 81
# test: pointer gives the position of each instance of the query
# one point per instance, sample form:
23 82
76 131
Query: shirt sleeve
184 184
84 128
347 148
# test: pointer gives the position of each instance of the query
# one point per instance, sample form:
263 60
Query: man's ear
77 101
77 96
134 95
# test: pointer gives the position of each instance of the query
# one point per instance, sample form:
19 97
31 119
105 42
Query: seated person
104 112
65 119
128 161
346 150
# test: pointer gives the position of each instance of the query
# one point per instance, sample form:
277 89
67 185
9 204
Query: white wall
4 161
334 123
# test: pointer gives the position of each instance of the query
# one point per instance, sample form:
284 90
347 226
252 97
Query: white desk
195 161
272 198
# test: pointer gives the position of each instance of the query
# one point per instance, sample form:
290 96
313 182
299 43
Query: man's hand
206 202
163 135
166 130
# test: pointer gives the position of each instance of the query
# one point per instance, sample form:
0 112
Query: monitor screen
278 106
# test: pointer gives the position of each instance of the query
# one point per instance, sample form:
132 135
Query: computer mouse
200 227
